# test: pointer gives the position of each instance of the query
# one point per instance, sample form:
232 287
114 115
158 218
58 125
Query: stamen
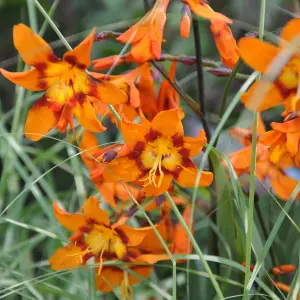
101 260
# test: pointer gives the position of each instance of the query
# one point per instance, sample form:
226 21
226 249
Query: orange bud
282 286
251 266
283 269
107 62
185 26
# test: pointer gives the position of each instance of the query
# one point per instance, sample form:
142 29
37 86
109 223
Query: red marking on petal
177 140
43 85
41 66
71 59
122 235
285 92
152 135
186 162
53 58
184 152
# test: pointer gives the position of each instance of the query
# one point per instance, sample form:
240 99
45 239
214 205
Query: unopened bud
251 266
220 71
109 155
283 269
185 23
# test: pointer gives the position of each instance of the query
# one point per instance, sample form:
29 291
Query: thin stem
196 246
92 284
249 224
200 80
32 15
191 102
264 228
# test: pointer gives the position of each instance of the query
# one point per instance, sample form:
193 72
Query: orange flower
94 236
284 141
181 243
281 184
95 158
107 62
259 55
168 97
69 89
225 42
146 36
159 153
202 9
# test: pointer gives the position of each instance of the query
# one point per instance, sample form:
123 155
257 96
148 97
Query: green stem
92 284
195 245
32 15
226 91
249 225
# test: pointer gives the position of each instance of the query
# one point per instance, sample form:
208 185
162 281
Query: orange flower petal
289 31
72 222
147 93
151 243
270 138
31 80
107 191
256 53
135 32
187 178
33 49
108 93
107 62
40 120
168 122
122 193
152 258
143 271
80 55
92 211
225 42
195 145
132 132
205 11
282 184
141 51
86 116
121 169
284 287
134 235
181 242
293 143
272 98
67 257
287 126
151 190
108 279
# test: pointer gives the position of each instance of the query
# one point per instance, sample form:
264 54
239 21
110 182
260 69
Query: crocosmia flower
94 236
69 89
159 153
281 184
259 55
284 141
146 36
202 9
225 42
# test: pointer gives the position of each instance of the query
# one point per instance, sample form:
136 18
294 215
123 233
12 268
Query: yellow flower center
103 239
289 76
161 153
70 81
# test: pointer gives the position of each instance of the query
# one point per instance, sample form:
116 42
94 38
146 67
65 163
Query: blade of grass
272 236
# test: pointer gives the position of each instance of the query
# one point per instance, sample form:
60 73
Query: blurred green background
25 247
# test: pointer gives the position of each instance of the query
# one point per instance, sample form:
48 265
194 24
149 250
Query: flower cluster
155 156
